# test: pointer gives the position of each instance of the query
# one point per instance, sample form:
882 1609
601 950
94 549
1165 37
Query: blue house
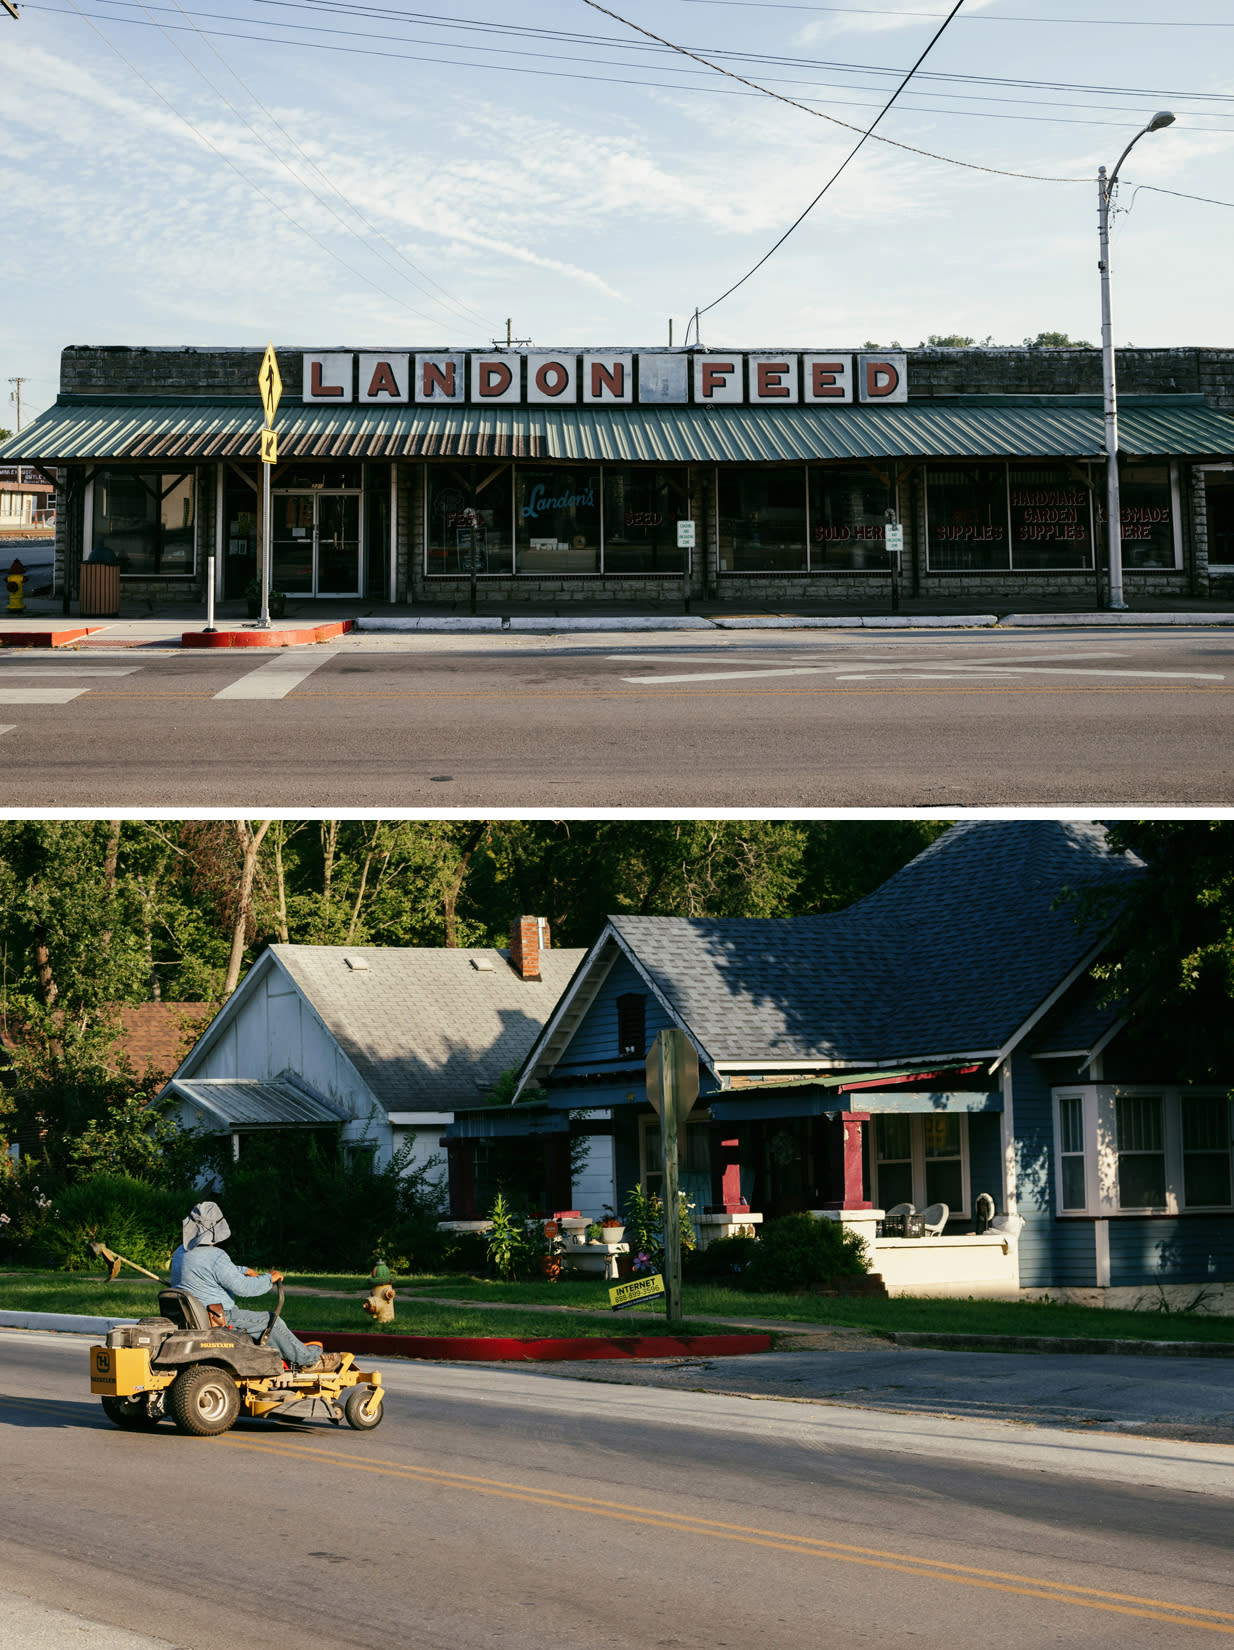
940 1039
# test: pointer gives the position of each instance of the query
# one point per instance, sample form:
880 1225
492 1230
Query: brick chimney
528 938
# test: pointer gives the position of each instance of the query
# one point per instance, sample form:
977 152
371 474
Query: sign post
270 386
685 543
672 1088
894 544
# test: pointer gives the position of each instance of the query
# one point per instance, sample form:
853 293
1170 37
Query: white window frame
1101 1148
917 1142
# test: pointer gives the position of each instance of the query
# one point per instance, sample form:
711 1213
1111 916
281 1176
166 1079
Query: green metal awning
193 429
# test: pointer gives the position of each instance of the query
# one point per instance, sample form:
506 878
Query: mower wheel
203 1400
130 1413
363 1409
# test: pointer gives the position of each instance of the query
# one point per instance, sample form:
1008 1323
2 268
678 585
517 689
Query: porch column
726 1198
461 1173
851 1122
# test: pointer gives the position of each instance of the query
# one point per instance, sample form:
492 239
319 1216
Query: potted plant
252 595
612 1228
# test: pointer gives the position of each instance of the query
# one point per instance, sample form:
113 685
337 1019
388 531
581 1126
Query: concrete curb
872 621
300 636
68 1323
46 638
1089 1345
528 624
1103 619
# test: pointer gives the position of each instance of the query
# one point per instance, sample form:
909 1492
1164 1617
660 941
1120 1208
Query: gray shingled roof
952 955
425 1028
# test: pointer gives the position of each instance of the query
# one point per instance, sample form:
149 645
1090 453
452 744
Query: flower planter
611 1231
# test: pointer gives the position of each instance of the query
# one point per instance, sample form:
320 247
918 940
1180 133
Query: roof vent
358 965
483 965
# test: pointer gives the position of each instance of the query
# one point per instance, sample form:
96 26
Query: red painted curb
267 638
45 638
499 1349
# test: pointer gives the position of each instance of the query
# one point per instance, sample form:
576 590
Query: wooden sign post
672 1088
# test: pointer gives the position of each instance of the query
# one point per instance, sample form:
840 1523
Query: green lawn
419 1309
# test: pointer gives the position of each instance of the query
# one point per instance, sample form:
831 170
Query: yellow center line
1092 1598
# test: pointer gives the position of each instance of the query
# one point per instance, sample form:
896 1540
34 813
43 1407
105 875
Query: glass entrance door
317 543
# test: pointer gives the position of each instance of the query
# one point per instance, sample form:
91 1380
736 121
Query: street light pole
1113 518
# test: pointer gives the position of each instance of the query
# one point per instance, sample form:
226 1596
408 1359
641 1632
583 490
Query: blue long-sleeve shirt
212 1276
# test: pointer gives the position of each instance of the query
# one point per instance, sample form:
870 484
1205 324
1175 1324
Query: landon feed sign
566 377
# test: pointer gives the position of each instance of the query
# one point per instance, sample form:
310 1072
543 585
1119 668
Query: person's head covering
205 1224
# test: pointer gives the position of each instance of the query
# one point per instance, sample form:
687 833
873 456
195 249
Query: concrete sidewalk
306 621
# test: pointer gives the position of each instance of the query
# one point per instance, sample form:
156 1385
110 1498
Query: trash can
98 588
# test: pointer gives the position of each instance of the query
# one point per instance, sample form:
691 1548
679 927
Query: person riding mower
203 1376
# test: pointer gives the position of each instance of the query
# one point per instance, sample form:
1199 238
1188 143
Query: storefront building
551 476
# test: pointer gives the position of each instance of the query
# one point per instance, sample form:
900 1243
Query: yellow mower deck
125 1373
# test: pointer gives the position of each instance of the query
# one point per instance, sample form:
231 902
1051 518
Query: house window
632 1026
1072 1193
1159 1150
921 1159
145 520
1140 1142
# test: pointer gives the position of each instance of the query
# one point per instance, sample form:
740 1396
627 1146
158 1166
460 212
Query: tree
1171 956
1056 340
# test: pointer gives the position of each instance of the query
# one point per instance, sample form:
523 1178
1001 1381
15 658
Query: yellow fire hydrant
14 582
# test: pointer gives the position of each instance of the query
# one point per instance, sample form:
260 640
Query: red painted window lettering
316 387
716 375
770 379
551 378
495 378
612 379
881 378
439 378
824 377
384 382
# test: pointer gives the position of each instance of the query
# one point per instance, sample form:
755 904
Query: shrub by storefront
798 1252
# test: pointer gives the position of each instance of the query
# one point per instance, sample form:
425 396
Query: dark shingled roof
952 955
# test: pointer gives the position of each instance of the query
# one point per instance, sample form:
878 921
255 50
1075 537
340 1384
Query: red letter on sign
881 379
612 379
383 380
559 376
770 379
495 378
823 378
316 387
716 375
439 378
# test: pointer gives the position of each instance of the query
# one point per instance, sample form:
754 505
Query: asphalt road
925 722
520 1509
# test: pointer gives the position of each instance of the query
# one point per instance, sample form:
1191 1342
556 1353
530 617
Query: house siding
594 1043
1054 1253
985 1157
1183 1249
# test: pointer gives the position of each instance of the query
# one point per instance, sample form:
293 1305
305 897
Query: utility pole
16 394
11 9
511 342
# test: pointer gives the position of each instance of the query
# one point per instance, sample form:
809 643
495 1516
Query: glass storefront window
377 531
641 512
331 477
762 521
145 518
966 512
1051 518
558 517
1146 513
469 515
240 562
1219 497
848 519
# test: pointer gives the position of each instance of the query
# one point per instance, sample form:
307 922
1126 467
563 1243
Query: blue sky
378 175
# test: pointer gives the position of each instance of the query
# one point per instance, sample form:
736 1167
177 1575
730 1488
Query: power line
972 17
1177 193
819 114
869 132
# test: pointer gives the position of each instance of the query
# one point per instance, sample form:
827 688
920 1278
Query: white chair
903 1209
934 1218
1007 1226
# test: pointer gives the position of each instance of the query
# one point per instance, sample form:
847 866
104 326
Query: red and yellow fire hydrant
14 583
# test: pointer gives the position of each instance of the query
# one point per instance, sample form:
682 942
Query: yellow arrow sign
269 446
270 384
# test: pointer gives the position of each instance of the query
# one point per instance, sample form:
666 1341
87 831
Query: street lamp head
1163 117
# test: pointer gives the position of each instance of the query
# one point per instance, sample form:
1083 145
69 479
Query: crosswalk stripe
276 678
40 696
65 669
